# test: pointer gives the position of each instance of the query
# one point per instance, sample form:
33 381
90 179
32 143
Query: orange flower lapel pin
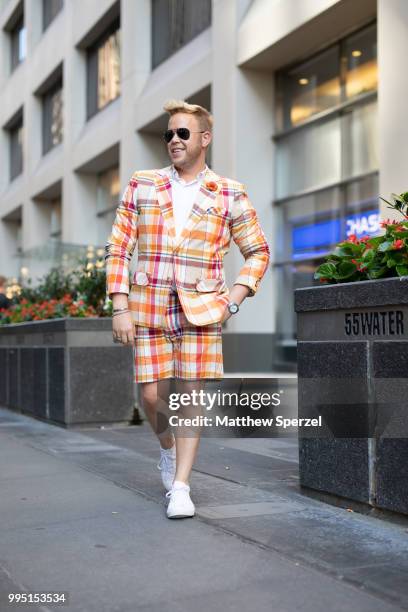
212 186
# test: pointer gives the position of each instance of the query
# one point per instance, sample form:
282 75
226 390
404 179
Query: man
5 302
182 217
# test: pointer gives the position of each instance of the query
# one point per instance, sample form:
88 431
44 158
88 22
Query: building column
242 104
135 70
392 99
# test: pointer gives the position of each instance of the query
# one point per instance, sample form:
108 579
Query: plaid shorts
179 349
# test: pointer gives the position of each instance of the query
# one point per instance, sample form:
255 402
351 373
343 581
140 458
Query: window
51 8
310 88
326 170
360 63
103 68
16 147
52 117
18 43
175 23
108 196
339 74
56 220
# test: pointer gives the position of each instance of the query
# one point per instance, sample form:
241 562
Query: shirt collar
175 175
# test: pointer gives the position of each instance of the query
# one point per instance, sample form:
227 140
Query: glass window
288 278
108 196
308 225
18 43
104 71
308 158
16 150
175 23
336 75
333 159
310 88
56 220
51 8
52 118
362 207
360 141
360 61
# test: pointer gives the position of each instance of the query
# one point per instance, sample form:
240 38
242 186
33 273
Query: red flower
388 222
360 267
353 238
211 186
364 238
398 244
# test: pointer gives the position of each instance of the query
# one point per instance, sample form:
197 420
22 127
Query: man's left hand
237 294
226 315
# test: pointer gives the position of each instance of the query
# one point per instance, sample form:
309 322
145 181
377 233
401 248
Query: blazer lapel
205 198
164 198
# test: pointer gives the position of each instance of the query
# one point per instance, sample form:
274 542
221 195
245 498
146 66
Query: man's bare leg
187 439
155 404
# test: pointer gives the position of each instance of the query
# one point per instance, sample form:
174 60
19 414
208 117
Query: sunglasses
183 133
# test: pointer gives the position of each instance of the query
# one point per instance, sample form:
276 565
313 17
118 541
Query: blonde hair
204 117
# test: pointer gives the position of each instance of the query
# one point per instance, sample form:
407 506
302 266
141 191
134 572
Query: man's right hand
123 328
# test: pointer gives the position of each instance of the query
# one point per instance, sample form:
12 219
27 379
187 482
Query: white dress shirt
183 197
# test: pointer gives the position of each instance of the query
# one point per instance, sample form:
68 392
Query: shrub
79 293
368 258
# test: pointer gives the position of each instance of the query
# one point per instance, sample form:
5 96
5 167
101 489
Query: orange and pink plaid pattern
179 349
194 261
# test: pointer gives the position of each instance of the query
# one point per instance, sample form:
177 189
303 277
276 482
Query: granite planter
353 370
68 371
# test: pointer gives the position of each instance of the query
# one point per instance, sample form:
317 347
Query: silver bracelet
120 309
118 313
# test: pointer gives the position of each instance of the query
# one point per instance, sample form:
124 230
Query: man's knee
154 391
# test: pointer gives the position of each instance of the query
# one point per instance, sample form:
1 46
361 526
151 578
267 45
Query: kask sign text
374 323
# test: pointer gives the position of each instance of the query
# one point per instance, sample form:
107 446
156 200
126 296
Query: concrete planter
68 371
353 369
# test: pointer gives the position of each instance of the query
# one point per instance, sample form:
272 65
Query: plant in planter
369 258
80 293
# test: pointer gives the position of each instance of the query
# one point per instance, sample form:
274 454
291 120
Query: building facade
308 98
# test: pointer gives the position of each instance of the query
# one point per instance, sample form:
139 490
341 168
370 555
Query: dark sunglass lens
168 135
183 133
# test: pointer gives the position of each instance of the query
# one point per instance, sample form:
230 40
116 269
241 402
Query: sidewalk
84 512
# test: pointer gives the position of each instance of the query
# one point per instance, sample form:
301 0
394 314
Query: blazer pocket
207 285
214 211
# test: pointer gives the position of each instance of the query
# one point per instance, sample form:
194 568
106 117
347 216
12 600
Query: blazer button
141 278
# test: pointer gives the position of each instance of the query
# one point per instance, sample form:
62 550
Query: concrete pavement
84 512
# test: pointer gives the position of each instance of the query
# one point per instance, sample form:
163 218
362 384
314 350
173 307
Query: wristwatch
233 307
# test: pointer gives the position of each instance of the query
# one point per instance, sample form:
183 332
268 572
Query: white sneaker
167 466
180 504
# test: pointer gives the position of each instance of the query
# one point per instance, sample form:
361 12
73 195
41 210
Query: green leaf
402 270
376 240
377 272
385 246
368 255
345 269
325 270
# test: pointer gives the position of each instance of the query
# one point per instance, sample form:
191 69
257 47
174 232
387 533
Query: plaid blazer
194 261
